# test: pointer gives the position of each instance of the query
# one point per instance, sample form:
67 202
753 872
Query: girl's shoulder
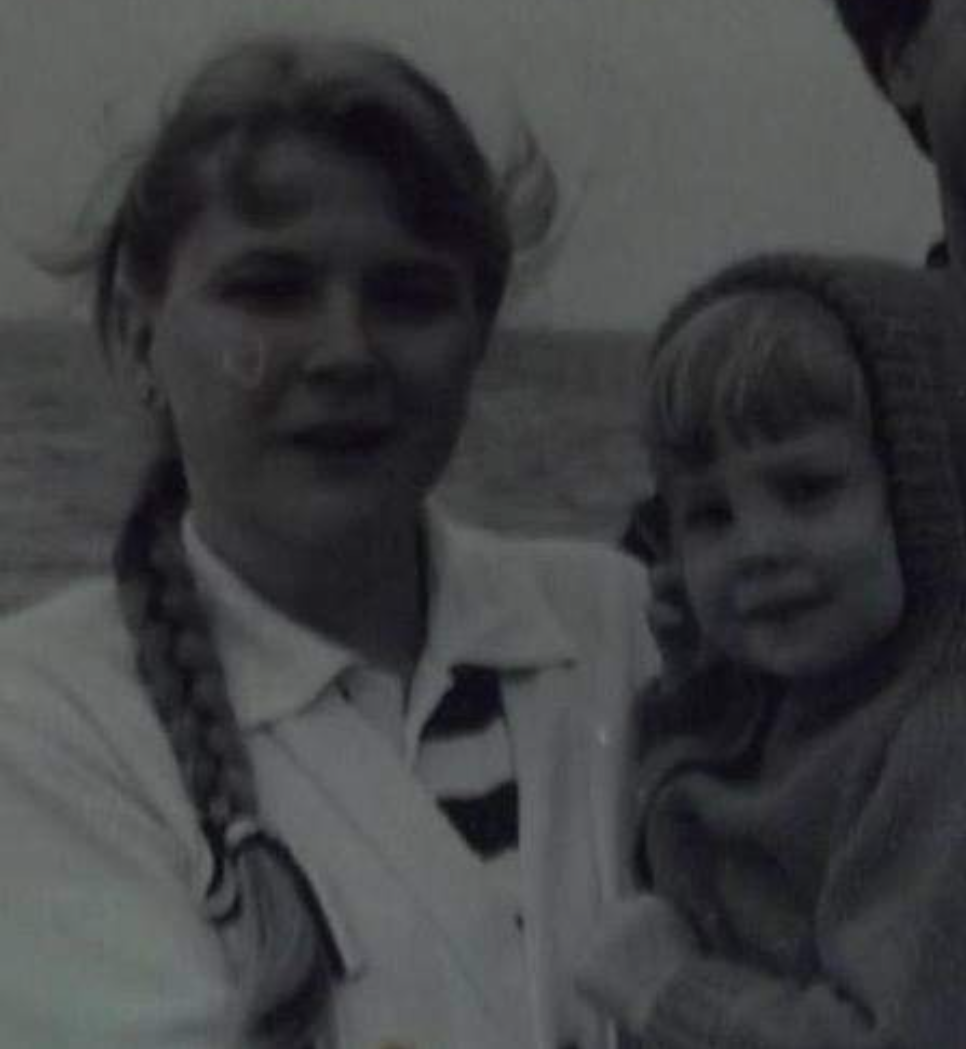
924 732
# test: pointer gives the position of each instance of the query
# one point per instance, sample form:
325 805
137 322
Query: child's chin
791 662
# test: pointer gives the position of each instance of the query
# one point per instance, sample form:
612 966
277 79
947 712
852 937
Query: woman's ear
132 333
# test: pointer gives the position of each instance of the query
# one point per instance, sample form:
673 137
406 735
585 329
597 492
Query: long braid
288 959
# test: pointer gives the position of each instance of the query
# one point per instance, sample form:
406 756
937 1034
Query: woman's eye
267 294
414 297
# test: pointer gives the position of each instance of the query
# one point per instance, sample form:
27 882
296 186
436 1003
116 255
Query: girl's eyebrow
825 457
424 267
689 482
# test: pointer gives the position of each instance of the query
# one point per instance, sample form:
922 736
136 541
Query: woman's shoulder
80 623
590 569
67 673
595 594
73 709
589 578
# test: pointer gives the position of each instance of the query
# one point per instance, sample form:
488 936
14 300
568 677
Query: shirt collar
273 665
485 604
485 609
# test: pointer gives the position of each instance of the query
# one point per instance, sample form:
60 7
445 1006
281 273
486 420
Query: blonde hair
758 364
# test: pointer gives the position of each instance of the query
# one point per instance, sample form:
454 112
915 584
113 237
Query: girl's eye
707 517
808 489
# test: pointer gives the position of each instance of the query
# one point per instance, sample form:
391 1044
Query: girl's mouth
777 608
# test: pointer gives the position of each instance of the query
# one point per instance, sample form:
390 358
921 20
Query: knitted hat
902 327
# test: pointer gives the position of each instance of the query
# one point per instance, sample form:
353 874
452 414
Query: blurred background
683 133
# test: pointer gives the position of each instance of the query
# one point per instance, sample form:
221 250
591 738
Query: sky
683 132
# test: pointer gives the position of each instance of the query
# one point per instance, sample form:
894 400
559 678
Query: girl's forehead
831 443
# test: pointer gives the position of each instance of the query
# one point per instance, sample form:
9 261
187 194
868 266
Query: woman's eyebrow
417 265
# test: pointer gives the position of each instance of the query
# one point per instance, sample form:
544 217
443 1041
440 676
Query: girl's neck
849 684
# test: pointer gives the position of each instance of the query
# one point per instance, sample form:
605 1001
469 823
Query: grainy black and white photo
483 560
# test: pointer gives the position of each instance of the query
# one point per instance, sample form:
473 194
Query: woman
318 766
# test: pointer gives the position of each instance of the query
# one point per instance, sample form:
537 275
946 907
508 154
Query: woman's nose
339 337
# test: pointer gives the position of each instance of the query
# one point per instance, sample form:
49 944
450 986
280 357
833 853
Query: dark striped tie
471 714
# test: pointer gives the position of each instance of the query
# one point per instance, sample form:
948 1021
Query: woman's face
316 369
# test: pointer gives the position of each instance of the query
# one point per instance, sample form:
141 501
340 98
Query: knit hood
910 347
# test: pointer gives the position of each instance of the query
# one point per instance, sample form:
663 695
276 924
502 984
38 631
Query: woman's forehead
272 181
318 205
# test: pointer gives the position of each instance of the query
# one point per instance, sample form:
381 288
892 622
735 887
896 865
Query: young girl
802 835
318 766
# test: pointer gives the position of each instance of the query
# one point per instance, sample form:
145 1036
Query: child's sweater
819 848
830 888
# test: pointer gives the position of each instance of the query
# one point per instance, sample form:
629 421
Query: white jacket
103 944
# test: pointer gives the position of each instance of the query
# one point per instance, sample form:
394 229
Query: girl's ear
903 71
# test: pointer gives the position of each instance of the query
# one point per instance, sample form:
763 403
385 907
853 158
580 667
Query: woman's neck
365 588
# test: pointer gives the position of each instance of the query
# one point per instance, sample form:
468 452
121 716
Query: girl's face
788 552
316 369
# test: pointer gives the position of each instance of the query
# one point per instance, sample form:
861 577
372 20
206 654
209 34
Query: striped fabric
466 762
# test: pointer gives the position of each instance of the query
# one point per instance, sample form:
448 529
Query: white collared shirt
467 623
456 618
104 943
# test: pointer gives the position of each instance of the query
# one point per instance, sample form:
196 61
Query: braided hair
256 883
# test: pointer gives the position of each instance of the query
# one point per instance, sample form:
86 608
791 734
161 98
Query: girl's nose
762 540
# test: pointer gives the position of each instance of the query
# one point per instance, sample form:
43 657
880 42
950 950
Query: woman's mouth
343 439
